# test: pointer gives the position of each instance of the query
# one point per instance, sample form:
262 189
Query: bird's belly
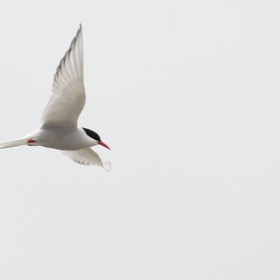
61 140
65 146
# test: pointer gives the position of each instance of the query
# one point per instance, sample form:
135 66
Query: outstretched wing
68 97
87 157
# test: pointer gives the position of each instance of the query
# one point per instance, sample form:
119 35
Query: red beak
104 145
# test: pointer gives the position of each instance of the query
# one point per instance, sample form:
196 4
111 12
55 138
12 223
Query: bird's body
58 138
59 128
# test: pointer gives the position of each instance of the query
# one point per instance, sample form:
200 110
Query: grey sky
186 93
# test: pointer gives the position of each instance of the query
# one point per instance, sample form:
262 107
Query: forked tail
14 143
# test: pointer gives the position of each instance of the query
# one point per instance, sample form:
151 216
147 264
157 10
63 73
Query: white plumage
68 98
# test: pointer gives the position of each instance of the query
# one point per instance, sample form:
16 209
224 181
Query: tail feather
14 143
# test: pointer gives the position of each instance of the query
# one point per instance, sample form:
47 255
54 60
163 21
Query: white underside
60 138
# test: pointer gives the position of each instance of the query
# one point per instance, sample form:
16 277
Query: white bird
59 128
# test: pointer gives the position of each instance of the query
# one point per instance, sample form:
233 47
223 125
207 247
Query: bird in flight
59 128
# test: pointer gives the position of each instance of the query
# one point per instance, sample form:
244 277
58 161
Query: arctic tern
59 128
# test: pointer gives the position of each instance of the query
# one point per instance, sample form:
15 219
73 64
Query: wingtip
80 31
107 165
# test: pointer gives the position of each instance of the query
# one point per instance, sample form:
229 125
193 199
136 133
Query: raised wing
87 157
68 97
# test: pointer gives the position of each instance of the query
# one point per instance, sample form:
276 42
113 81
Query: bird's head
95 137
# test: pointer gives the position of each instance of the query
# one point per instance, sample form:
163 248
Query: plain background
186 93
